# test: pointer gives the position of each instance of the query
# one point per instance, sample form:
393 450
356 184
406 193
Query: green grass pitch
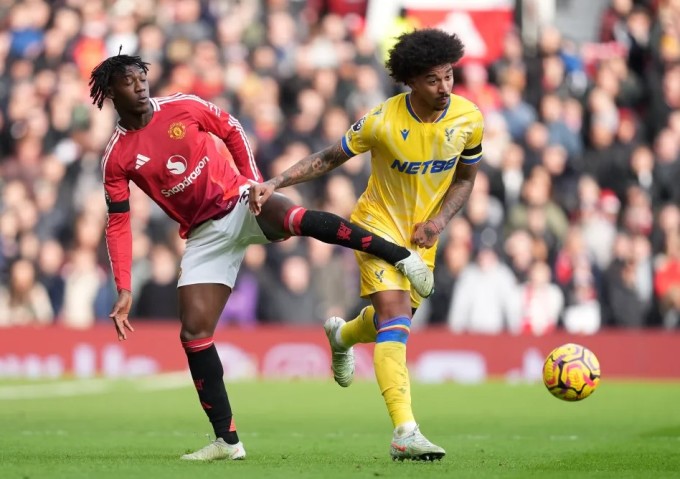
138 429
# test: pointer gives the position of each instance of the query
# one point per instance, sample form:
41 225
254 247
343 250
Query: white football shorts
215 250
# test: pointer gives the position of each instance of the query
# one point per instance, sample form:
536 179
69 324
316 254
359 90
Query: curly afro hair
418 51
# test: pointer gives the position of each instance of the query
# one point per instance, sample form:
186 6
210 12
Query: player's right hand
259 194
119 314
425 235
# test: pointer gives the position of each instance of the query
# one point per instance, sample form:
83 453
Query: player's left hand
258 195
425 234
119 314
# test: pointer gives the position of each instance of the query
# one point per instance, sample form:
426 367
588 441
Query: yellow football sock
389 360
360 329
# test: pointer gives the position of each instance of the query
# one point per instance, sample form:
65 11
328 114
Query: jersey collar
412 112
155 106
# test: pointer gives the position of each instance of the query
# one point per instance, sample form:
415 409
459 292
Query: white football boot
418 273
414 446
342 359
216 451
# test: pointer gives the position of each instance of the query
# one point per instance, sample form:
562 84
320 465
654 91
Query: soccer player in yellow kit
425 149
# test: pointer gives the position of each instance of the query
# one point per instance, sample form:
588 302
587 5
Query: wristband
435 226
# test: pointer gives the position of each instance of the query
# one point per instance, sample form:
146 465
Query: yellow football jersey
412 163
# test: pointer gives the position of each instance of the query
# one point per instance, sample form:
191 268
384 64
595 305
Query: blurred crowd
574 221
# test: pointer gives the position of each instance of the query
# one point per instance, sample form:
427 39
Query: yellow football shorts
378 275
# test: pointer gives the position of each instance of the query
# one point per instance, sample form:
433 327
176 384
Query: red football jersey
176 162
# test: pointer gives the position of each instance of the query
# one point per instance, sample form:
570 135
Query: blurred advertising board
435 355
481 24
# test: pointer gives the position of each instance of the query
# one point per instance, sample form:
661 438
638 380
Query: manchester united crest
177 131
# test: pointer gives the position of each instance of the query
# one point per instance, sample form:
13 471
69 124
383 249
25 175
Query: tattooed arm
426 234
312 166
308 168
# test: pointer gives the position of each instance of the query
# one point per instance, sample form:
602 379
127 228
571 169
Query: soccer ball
571 372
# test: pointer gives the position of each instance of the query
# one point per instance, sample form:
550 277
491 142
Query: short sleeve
361 136
473 147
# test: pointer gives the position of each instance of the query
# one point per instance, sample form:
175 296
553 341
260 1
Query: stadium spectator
624 302
667 166
242 307
510 68
552 115
291 294
512 175
497 138
642 171
519 250
667 224
476 87
598 213
613 22
85 282
334 280
577 275
158 294
555 160
535 141
452 259
536 195
50 262
492 309
24 301
485 219
518 114
667 281
637 215
541 301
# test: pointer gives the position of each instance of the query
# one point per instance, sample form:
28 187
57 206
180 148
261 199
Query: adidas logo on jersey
141 161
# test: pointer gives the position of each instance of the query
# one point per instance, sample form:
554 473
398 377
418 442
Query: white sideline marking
85 387
60 389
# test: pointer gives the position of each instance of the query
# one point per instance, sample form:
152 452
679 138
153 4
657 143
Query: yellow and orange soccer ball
571 372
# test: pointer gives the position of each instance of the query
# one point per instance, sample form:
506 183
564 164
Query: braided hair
101 76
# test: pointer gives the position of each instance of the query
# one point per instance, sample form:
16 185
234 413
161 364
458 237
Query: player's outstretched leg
342 358
412 445
280 217
331 228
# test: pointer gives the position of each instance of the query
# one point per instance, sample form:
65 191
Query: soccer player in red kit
164 146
